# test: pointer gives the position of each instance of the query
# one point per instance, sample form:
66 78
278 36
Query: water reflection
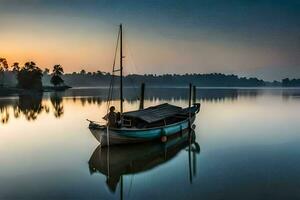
89 100
168 94
57 103
4 115
33 105
249 150
4 110
116 161
291 94
30 106
132 94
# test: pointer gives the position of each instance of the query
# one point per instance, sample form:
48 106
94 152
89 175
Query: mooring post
190 102
142 98
190 96
194 94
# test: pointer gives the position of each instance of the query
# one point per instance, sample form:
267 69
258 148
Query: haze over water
248 142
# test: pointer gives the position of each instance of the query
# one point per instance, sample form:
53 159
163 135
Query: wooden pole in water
142 98
190 102
194 94
190 95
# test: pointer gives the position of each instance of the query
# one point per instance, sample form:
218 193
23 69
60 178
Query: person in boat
112 117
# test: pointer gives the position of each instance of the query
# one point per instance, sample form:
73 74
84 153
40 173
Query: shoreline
19 91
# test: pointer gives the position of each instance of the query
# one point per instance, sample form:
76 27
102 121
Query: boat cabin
155 116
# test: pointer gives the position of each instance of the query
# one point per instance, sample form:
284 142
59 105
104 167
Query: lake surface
246 147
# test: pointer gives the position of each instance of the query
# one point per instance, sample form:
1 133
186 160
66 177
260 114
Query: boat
146 124
116 161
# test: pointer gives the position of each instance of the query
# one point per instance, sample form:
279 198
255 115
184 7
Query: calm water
248 140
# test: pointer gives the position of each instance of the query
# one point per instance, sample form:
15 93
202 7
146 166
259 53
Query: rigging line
110 92
132 81
130 55
114 64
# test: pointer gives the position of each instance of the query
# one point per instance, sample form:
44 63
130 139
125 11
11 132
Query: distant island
30 77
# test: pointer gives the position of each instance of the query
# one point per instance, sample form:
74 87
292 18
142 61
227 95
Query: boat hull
126 135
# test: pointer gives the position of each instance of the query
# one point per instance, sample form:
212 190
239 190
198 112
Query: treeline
31 76
94 79
291 82
203 80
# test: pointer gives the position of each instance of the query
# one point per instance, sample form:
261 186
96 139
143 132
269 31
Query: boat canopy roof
155 113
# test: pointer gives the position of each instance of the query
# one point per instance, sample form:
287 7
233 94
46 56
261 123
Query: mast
121 70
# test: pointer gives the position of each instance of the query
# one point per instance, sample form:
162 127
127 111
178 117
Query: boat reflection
116 161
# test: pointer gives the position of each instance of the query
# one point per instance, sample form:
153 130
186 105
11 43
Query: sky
258 38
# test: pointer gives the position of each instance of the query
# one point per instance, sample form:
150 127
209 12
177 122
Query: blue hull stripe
154 133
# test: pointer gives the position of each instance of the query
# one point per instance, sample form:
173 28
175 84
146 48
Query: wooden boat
142 125
116 161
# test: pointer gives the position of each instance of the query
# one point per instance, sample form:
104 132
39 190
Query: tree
57 72
30 77
3 62
1 76
15 67
286 82
56 80
82 71
99 73
46 71
3 67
